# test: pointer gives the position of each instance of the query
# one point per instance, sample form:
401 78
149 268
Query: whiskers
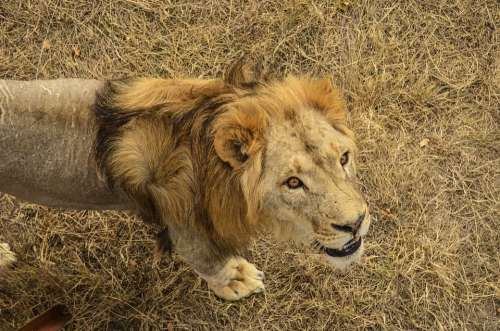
317 247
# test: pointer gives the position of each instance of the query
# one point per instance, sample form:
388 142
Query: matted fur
191 151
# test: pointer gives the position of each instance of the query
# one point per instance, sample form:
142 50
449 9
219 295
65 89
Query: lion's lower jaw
343 263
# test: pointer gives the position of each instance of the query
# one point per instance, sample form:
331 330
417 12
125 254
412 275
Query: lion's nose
353 227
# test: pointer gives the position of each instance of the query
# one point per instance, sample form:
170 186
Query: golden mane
191 152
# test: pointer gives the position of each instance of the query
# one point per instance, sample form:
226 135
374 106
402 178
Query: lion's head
288 142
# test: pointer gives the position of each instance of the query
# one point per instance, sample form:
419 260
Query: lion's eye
294 183
344 158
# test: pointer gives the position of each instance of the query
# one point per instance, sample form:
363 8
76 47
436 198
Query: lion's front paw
236 280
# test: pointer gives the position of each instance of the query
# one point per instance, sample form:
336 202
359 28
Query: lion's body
155 142
206 159
47 129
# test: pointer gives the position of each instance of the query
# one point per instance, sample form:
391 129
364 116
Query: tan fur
192 152
148 92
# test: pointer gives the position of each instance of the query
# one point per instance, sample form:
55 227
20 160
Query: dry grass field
422 81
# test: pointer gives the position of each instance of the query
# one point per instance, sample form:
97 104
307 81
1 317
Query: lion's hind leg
236 280
7 257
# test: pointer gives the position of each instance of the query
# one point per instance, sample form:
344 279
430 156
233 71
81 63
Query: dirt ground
422 80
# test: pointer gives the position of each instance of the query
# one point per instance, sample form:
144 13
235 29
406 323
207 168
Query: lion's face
295 156
310 190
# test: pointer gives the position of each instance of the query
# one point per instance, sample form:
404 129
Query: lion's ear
326 98
245 73
238 136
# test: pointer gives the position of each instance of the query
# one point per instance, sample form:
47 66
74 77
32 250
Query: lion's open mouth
349 248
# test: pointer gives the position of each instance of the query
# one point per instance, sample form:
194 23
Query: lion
219 162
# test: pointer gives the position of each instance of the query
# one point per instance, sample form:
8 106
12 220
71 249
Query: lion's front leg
237 279
230 277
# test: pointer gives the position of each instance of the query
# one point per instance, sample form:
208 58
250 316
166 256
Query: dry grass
412 70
